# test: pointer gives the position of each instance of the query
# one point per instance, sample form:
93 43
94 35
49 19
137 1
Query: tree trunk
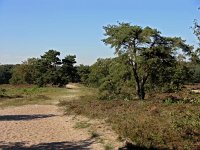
140 91
139 82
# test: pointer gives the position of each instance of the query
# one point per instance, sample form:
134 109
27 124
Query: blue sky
28 28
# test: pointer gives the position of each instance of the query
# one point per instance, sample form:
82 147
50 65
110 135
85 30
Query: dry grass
28 94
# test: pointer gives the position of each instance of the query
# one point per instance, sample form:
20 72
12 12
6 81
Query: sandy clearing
44 127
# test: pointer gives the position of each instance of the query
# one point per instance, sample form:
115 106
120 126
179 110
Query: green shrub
108 146
2 91
82 124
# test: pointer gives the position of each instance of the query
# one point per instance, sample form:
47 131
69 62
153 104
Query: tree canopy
49 69
146 49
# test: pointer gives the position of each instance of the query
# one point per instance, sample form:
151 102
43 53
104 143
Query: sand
45 127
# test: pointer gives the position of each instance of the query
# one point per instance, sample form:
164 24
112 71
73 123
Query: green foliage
82 124
170 100
26 73
108 146
99 71
22 75
48 69
195 69
119 84
180 75
170 79
51 58
2 92
146 49
49 63
83 73
146 61
67 70
196 29
94 134
113 78
5 73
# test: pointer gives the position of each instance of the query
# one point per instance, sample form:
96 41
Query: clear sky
28 28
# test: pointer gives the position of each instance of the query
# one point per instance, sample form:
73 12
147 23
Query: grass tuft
94 134
82 124
108 146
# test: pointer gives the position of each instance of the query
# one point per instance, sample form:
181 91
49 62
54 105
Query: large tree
147 50
49 64
68 71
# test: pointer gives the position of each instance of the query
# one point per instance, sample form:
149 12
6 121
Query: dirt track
44 127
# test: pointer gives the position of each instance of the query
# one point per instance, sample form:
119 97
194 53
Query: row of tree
47 70
145 61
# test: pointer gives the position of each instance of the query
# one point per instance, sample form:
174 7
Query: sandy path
43 127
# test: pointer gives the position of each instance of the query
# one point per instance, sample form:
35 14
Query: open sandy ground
44 127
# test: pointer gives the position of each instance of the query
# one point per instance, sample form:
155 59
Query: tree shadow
10 97
83 145
130 146
24 117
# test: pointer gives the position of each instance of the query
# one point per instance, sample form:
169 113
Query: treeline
146 61
112 76
49 69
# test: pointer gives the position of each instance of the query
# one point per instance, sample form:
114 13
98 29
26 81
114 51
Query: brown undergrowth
151 124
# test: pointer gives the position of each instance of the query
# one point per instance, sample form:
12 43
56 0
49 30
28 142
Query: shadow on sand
23 117
80 145
84 145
